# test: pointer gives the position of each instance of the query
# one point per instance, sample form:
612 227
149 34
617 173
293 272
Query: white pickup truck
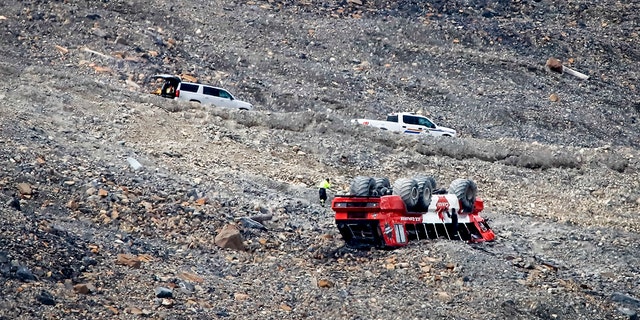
409 123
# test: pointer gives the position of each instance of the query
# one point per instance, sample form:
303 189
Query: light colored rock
128 260
240 296
24 188
190 276
135 165
91 191
443 296
324 283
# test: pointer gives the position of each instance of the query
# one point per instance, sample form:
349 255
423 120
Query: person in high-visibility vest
324 186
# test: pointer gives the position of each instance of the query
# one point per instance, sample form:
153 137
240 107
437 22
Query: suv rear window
189 87
211 91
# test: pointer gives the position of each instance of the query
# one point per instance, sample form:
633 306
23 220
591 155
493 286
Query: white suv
175 88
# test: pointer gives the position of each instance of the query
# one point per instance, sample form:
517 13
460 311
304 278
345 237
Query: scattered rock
128 260
443 296
261 218
222 313
73 205
46 298
24 189
135 311
240 296
230 238
286 307
554 65
250 223
625 299
14 202
62 49
186 287
163 292
84 288
135 165
112 309
24 274
189 276
324 283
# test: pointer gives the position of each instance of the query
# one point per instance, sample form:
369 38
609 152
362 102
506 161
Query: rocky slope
86 233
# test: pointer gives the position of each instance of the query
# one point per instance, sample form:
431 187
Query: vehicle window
210 91
425 122
410 119
393 118
226 95
189 87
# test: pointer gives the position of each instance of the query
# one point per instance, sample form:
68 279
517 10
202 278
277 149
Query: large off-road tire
363 186
433 182
425 189
383 186
465 190
407 189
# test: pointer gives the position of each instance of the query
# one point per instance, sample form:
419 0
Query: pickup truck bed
408 123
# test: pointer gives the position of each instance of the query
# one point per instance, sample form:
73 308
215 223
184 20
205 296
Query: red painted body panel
385 222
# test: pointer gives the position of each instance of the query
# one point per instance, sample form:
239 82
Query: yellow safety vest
325 184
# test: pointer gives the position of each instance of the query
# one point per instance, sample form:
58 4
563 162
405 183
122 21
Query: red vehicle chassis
384 221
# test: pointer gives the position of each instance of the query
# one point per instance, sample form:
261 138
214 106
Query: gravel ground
111 198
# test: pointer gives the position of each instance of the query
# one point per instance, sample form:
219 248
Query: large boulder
229 237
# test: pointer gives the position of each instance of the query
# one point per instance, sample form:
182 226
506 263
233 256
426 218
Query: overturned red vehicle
384 221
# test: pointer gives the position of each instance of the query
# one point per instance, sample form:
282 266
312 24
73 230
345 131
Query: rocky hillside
111 197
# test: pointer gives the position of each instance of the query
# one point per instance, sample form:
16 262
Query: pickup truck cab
409 123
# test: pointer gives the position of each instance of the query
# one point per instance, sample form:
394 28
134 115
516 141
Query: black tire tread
362 186
433 182
425 189
466 191
382 186
407 189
